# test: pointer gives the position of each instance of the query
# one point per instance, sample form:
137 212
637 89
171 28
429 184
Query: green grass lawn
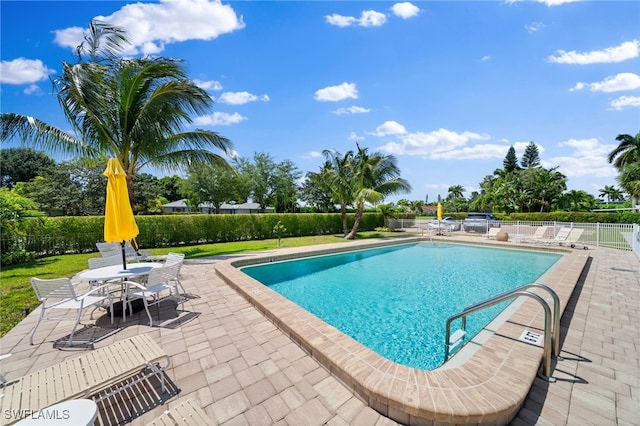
17 298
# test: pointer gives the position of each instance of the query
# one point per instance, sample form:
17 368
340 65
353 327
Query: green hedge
58 235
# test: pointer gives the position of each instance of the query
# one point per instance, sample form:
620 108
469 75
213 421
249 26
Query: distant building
180 206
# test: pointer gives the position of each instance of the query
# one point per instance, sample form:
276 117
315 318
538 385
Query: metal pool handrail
512 294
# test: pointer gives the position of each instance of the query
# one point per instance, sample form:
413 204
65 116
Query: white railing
635 240
612 235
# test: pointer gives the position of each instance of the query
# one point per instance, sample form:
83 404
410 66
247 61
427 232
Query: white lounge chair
185 413
60 293
573 238
538 236
101 373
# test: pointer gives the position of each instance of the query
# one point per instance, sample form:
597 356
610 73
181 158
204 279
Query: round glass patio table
114 272
76 412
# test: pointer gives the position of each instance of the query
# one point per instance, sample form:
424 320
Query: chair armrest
94 290
128 283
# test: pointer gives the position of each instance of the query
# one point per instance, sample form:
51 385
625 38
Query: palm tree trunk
343 213
352 234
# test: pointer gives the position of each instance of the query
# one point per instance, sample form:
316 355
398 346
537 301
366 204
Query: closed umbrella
119 224
439 210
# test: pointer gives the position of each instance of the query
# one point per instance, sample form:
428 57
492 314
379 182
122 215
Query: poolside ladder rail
551 335
456 339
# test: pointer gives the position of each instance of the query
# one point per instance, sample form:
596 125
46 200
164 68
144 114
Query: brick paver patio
241 369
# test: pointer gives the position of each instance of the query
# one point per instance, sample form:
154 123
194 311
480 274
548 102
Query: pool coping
487 388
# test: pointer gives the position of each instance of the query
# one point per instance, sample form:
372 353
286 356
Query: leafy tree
270 183
627 151
404 204
215 185
375 176
146 193
611 193
285 194
531 156
22 165
510 162
133 109
170 187
316 191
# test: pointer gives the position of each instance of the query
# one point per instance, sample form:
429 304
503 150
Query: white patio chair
173 259
60 293
159 280
115 249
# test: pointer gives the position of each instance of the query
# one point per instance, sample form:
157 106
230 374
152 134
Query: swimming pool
396 300
486 383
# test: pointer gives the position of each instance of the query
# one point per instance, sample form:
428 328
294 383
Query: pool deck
242 369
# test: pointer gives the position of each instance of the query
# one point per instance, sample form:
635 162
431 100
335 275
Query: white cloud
337 93
486 58
617 83
33 89
368 18
481 151
351 110
534 27
625 101
589 158
240 98
22 71
219 119
150 26
520 147
208 85
312 154
405 10
547 2
438 144
389 128
353 136
626 50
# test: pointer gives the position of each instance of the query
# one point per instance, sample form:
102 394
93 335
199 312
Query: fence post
597 234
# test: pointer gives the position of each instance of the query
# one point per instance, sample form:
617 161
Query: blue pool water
396 300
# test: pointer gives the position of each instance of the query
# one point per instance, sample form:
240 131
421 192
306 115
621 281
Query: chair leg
146 308
37 324
74 327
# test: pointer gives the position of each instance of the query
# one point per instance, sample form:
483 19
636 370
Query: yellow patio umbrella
119 224
439 212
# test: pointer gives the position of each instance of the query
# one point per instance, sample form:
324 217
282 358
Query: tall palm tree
340 173
374 176
455 192
627 152
611 193
133 109
629 180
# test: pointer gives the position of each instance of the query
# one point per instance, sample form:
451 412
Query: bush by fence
40 237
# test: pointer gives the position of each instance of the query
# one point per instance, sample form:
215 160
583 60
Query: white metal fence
612 235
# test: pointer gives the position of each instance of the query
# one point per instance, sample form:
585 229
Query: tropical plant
133 109
341 181
627 151
454 193
629 180
375 176
611 193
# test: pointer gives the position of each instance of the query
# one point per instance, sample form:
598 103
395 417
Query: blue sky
445 86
